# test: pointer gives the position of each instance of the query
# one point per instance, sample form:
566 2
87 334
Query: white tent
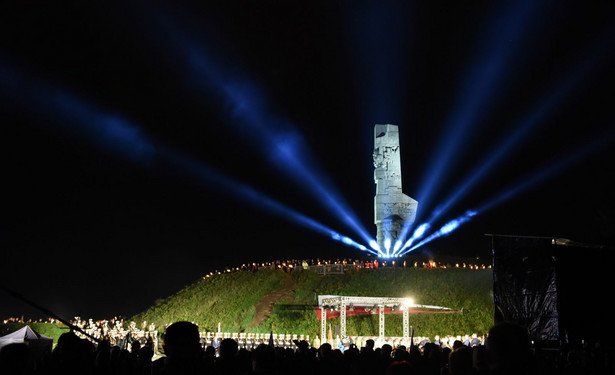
36 341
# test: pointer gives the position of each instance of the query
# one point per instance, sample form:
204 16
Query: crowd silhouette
507 350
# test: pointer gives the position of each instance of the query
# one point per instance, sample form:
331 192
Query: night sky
119 122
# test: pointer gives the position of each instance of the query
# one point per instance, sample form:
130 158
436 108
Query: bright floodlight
374 245
397 246
418 233
408 302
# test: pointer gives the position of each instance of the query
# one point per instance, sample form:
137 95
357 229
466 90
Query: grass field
230 299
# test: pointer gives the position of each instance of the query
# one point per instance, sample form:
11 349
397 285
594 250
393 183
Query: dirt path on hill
265 304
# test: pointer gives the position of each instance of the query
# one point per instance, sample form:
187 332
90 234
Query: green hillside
231 299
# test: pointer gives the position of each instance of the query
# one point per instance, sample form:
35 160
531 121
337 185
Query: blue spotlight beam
591 58
530 122
250 195
107 131
543 173
554 168
284 148
506 34
443 231
418 233
115 134
247 107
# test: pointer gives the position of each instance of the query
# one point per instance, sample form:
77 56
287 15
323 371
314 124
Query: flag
271 339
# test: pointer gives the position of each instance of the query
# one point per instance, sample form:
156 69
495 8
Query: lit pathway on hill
265 305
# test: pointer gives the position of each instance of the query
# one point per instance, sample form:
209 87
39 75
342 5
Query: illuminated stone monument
391 207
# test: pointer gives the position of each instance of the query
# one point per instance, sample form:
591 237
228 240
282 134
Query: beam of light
591 58
445 230
374 245
543 173
552 169
418 233
350 242
114 133
287 152
109 132
504 147
503 38
387 247
209 176
397 247
282 144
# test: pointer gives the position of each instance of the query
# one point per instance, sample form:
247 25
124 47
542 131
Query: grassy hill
230 299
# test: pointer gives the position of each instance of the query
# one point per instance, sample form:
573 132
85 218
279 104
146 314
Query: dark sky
99 218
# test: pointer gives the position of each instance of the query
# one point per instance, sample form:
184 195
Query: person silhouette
183 350
508 349
227 362
264 359
15 359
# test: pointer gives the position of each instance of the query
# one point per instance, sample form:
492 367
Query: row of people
419 342
507 350
314 264
21 319
113 330
252 340
116 332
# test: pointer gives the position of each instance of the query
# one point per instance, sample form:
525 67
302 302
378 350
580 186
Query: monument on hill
391 206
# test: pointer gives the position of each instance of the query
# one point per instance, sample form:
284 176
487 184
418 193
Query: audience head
460 361
182 341
369 343
228 348
325 350
386 351
68 342
457 344
263 358
302 346
508 347
400 354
